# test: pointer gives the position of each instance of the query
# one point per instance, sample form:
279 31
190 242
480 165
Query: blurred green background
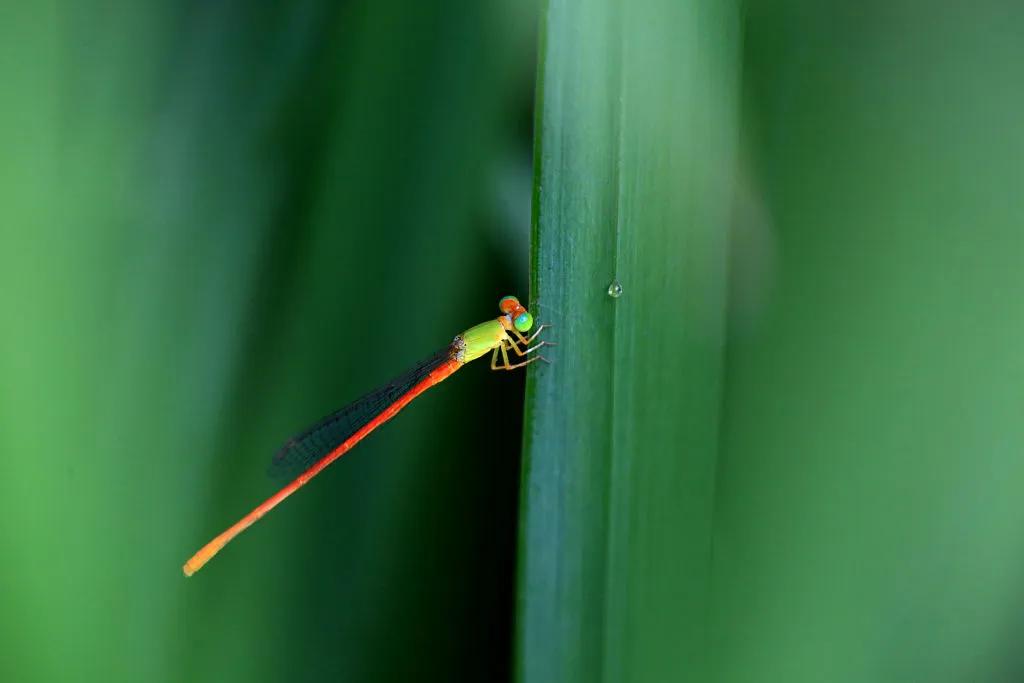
869 515
219 221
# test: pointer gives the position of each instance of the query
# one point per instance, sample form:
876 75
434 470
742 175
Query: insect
333 436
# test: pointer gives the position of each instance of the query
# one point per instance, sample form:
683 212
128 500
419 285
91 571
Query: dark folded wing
303 450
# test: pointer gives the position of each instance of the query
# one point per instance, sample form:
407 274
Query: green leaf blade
634 152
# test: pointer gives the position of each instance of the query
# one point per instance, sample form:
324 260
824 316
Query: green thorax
482 339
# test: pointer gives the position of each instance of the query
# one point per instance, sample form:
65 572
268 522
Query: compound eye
524 321
508 304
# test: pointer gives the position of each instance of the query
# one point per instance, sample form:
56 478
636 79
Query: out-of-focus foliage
219 221
869 512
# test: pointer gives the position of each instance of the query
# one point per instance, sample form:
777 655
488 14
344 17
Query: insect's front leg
504 355
526 342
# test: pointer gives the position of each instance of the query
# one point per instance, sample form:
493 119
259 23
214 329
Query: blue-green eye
524 321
